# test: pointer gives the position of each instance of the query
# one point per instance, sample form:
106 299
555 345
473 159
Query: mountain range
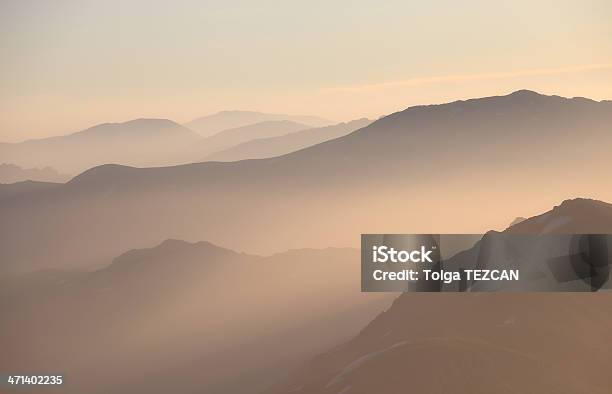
228 138
427 169
191 316
514 342
145 143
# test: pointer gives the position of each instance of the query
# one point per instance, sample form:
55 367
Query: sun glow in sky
67 65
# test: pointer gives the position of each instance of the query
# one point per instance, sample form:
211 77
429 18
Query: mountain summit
138 127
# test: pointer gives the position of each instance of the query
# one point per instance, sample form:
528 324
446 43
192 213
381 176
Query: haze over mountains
195 317
183 317
434 343
212 124
428 169
10 173
261 148
16 189
238 135
146 142
136 142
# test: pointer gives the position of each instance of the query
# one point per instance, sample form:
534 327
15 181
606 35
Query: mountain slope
428 169
477 343
136 142
275 146
230 137
212 124
204 315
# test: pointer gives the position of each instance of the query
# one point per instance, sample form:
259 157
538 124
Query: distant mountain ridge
135 142
230 137
260 148
212 124
134 127
10 173
146 142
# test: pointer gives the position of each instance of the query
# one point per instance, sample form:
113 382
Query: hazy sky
67 65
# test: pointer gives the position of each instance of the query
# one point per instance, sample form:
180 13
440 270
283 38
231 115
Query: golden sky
67 65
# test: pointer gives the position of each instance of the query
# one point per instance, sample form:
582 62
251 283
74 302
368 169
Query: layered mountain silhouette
140 142
212 124
261 148
471 343
234 136
458 167
10 173
183 317
137 142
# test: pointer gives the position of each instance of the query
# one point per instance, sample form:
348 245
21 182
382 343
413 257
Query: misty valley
222 255
305 197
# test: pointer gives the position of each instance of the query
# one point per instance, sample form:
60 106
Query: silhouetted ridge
526 93
100 173
579 203
262 147
214 123
492 112
579 215
168 253
135 127
138 142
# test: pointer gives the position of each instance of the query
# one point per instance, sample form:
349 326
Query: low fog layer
184 317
